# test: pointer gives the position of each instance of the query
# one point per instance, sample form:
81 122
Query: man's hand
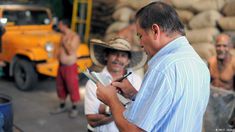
70 40
107 94
127 90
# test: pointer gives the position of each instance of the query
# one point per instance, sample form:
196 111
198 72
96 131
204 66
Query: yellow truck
29 45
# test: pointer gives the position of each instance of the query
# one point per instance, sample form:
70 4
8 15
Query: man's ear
155 30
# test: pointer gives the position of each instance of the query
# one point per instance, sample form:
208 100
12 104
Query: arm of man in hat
98 119
127 90
107 94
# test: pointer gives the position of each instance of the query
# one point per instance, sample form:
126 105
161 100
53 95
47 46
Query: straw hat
98 47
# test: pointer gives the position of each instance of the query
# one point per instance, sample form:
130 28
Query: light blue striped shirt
174 93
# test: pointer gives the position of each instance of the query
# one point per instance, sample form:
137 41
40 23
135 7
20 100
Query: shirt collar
106 72
175 44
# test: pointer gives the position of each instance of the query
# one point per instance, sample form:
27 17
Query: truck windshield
26 17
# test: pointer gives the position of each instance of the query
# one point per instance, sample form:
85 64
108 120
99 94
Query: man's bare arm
98 119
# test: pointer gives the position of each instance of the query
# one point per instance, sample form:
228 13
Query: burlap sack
205 50
185 15
227 23
228 9
123 14
122 1
206 5
183 4
116 26
202 35
129 33
205 19
232 35
134 4
109 36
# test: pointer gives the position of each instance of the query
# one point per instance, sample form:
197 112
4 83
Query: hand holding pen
123 77
124 87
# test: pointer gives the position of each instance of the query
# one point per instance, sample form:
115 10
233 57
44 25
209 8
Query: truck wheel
25 75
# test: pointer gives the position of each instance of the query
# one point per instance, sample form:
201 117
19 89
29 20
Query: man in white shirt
117 59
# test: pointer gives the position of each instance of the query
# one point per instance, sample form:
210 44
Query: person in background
222 66
175 90
117 59
67 78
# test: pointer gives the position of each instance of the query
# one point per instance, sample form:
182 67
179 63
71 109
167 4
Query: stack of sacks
123 15
102 11
227 23
204 19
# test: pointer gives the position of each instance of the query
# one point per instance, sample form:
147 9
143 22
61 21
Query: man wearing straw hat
175 90
118 59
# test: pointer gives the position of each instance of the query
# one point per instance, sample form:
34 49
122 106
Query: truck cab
29 45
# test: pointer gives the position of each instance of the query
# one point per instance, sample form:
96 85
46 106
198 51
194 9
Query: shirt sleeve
91 102
152 102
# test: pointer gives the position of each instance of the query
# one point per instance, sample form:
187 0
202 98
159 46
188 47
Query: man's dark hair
162 14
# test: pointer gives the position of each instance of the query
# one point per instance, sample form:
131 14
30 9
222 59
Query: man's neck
167 38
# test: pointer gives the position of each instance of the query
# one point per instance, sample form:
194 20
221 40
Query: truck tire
25 75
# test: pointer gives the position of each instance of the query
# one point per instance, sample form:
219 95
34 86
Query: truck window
27 17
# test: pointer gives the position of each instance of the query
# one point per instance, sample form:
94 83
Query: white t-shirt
92 103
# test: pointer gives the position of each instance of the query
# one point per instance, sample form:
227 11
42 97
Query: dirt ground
31 110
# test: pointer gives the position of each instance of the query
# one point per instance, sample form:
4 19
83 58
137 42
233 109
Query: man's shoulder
233 61
233 57
212 60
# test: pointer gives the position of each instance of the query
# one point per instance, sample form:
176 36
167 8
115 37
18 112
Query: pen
125 76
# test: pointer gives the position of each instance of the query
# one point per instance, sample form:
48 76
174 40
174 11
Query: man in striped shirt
175 90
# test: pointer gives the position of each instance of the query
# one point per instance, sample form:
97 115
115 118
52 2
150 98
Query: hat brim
97 49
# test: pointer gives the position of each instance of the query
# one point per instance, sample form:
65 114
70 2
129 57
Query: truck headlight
49 47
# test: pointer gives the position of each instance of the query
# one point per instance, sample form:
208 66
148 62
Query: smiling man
222 66
117 59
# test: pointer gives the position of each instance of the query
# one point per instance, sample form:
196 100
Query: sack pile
203 20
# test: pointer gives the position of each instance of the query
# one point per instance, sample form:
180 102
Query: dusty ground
32 109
